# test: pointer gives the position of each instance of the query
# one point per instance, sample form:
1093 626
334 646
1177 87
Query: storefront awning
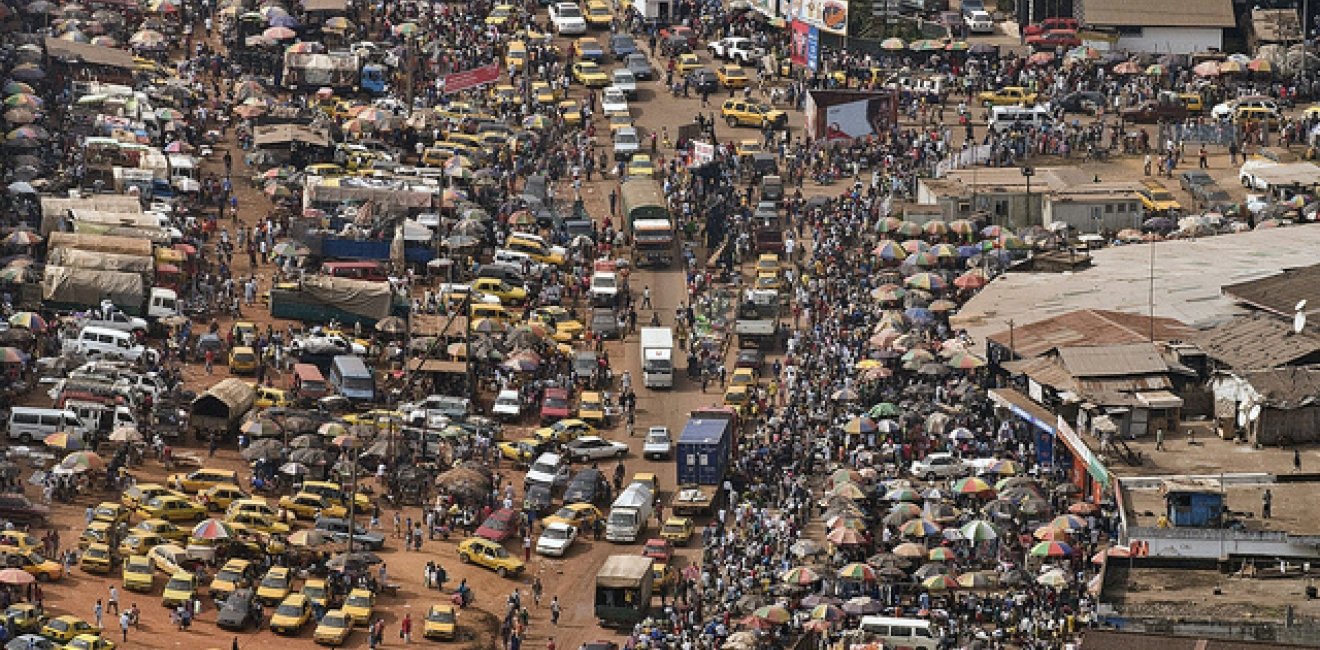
1026 409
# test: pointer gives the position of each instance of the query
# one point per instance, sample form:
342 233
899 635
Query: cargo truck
343 71
623 590
657 357
323 299
629 513
757 321
646 215
702 456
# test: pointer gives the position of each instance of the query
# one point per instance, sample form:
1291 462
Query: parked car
621 45
587 486
595 448
555 539
658 444
1151 112
1193 178
1081 101
606 324
338 529
639 65
938 465
237 612
499 526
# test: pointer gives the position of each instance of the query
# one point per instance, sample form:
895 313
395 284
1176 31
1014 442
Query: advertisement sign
702 153
486 74
858 119
813 49
828 15
799 32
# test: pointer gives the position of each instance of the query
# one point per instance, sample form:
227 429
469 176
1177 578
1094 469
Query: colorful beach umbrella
925 281
776 614
903 494
83 460
940 554
1051 549
845 537
920 527
213 529
64 440
941 582
1068 522
860 424
911 550
857 571
973 485
799 576
29 320
978 531
827 612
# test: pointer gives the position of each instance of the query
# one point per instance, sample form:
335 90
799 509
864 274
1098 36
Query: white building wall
1178 40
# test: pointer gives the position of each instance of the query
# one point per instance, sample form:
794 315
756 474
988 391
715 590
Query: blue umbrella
967 251
919 315
284 20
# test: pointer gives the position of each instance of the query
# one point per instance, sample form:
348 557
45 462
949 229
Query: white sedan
614 101
556 539
980 22
594 447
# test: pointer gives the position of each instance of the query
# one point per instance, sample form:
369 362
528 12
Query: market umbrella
857 571
860 424
356 558
28 72
1111 551
1206 69
1230 67
973 485
935 227
845 537
920 527
915 246
260 428
1068 522
1127 68
910 550
862 605
1055 578
16 87
16 577
293 469
776 614
890 251
64 441
1261 65
799 576
893 44
279 33
266 448
925 281
126 434
213 529
848 491
941 582
885 409
974 580
80 461
1051 549
28 320
804 547
903 494
21 116
844 395
309 456
1156 70
147 38
827 612
940 554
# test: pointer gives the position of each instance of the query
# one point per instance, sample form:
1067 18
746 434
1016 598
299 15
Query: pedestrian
1266 501
113 602
124 621
97 611
1297 460
554 610
646 297
527 547
405 628
1159 439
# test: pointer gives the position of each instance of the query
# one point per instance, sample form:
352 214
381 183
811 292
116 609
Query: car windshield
334 620
499 551
569 11
359 601
274 581
544 468
443 616
96 552
289 610
555 402
178 584
496 524
672 528
227 575
555 533
314 591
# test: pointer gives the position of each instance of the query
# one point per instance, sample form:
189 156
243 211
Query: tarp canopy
363 297
151 235
389 197
64 284
229 398
281 134
55 209
623 571
89 54
104 244
331 6
100 261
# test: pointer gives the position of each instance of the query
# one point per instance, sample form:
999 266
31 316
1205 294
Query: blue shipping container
703 451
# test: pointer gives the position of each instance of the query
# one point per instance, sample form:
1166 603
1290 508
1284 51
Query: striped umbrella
910 550
905 509
82 461
840 521
903 494
941 582
890 251
28 319
908 229
346 441
847 491
845 475
857 571
974 580
213 529
944 251
827 612
940 554
889 292
920 527
935 228
973 485
979 531
1005 468
924 259
925 281
915 246
858 425
972 280
1050 533
888 224
64 441
845 537
1051 549
1068 522
332 429
962 227
260 428
776 614
799 576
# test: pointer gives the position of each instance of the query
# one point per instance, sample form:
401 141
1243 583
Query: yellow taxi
336 494
306 505
1194 102
217 498
578 515
97 532
111 512
678 530
200 479
769 282
747 148
507 293
64 628
535 247
505 94
359 604
1256 115
138 542
598 14
292 614
267 397
20 540
485 553
441 623
522 450
1007 96
324 170
1157 198
252 505
333 629
500 14
258 522
663 575
687 62
515 56
564 430
571 111
565 326
25 617
242 360
180 589
34 563
316 592
138 574
171 508
621 121
163 528
235 574
379 418
641 166
739 112
96 559
739 397
591 407
731 76
768 263
743 377
89 642
275 585
545 93
590 74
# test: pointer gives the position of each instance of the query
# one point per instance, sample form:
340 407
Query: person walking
124 621
527 547
1159 439
112 604
1266 501
405 628
646 297
97 611
554 610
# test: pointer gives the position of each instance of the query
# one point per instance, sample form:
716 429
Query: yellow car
738 112
483 552
743 377
242 359
25 617
662 574
379 418
564 430
316 592
598 14
163 528
217 498
244 332
677 530
1156 198
268 397
359 605
336 494
545 93
578 515
1007 96
768 263
181 588
621 121
731 76
20 540
139 494
565 326
769 282
276 584
235 574
441 623
505 94
97 532
200 479
171 508
89 642
31 561
591 407
687 62
738 397
522 450
325 170
64 628
641 166
507 293
252 506
111 512
748 148
96 559
291 615
333 629
589 74
500 14
138 542
139 575
306 505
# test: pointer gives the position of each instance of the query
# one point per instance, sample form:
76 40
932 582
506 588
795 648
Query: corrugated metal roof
1188 13
1089 327
1259 342
1287 388
1115 640
1113 360
1279 293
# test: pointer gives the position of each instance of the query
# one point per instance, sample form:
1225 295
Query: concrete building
1094 208
1163 27
1010 198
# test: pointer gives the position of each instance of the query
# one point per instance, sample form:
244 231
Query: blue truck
341 248
703 455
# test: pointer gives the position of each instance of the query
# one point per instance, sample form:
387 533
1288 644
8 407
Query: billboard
799 33
850 114
829 16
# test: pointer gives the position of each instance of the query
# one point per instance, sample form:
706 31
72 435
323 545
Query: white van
1006 118
96 342
900 632
27 424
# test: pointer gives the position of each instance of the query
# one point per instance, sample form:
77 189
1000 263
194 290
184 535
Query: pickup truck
1051 24
1054 38
735 48
119 321
567 18
1151 112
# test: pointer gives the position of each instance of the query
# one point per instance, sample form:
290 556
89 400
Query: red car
1048 24
660 550
1054 38
499 525
680 32
555 406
